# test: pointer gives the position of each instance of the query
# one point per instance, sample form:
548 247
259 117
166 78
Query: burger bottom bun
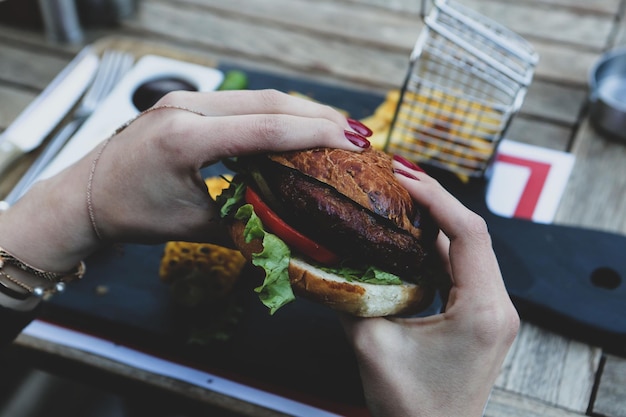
352 297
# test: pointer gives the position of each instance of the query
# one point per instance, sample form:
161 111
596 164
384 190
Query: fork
113 65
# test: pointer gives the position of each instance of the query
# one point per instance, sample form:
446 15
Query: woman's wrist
44 237
49 227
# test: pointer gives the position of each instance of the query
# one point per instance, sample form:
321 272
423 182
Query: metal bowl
607 81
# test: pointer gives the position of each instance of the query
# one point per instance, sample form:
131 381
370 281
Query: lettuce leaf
369 275
230 198
276 290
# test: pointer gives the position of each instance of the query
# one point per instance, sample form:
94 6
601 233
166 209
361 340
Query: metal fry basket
467 78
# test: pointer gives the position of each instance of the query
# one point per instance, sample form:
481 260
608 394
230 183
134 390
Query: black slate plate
549 271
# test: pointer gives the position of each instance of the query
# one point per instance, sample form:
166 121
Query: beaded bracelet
57 281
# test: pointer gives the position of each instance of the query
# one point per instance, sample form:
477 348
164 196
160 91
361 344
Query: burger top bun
355 298
366 177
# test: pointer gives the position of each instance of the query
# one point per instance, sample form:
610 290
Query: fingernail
407 163
405 173
357 139
360 127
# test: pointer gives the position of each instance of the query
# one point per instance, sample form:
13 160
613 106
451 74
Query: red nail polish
357 139
360 127
407 163
405 173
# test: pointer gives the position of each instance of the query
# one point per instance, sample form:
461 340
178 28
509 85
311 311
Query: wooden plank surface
554 103
620 37
294 49
609 7
297 46
604 201
612 389
563 65
540 133
550 368
560 62
508 404
12 102
16 66
545 21
330 19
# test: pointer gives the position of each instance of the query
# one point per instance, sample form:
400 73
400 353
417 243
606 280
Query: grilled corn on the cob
200 271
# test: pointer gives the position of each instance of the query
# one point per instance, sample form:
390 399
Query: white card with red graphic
528 181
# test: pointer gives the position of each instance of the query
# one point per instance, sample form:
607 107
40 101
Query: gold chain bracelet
57 280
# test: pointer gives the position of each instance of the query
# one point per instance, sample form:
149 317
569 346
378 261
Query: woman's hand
445 364
146 185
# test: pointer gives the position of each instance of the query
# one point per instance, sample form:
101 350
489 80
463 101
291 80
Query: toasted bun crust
356 298
366 177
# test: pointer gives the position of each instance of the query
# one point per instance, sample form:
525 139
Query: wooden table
365 44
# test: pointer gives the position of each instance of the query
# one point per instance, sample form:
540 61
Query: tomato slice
288 234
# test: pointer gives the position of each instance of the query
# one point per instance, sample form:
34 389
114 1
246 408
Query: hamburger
335 227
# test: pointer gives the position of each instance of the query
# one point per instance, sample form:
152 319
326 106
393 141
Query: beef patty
337 222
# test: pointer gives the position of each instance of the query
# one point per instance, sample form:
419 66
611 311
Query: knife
34 124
